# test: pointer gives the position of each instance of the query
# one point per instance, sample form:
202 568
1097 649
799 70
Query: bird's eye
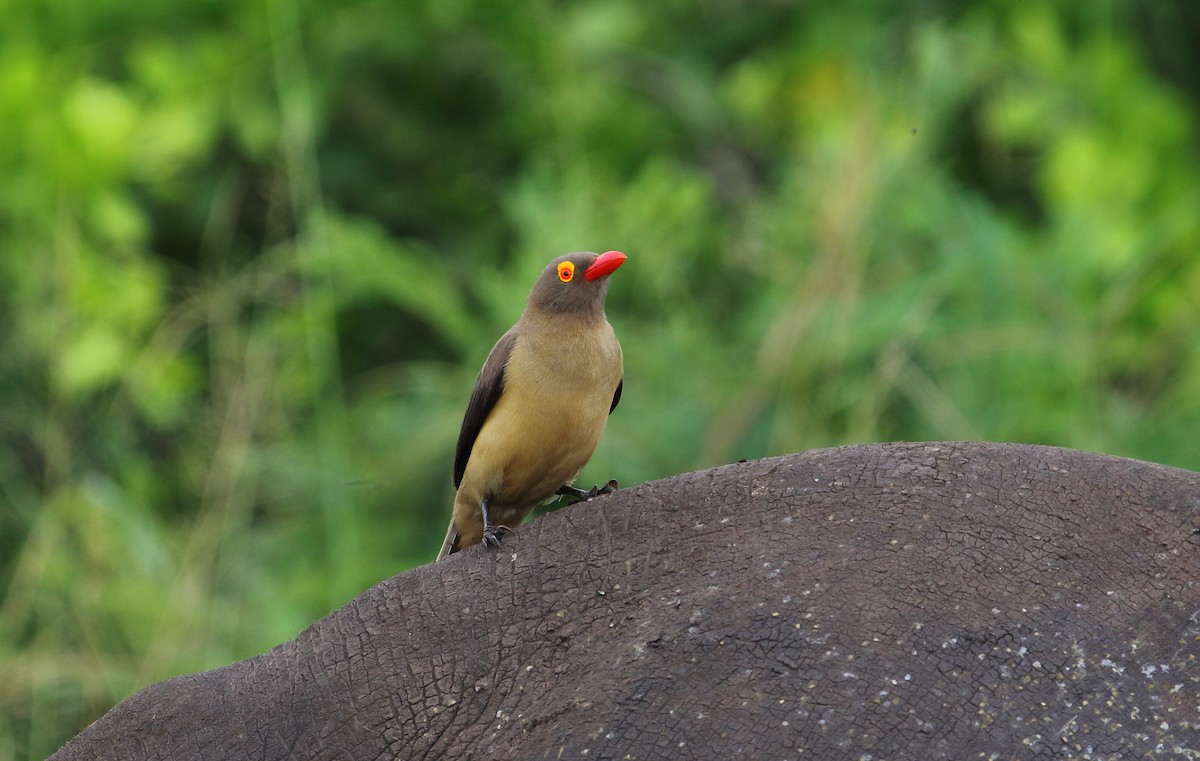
566 271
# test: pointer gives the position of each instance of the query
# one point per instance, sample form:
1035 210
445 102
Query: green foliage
253 255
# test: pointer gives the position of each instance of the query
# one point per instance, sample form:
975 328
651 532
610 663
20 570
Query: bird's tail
450 545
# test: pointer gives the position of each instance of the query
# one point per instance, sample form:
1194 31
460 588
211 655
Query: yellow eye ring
566 271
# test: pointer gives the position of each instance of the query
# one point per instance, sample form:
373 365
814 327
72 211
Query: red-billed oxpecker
539 404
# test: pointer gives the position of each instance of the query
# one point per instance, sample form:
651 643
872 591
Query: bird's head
575 283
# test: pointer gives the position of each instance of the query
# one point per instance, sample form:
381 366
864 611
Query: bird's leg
491 534
582 495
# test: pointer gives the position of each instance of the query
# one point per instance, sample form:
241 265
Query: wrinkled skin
888 601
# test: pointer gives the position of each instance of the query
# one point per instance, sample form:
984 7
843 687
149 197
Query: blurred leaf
365 263
91 359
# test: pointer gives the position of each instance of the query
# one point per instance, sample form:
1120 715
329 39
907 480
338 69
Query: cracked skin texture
926 601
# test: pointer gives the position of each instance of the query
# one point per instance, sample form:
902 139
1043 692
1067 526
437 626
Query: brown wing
488 387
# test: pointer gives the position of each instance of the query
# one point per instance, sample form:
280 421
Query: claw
583 495
492 534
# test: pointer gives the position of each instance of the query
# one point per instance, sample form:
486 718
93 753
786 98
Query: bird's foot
583 495
492 534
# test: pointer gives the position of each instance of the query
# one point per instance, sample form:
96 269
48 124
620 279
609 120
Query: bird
539 405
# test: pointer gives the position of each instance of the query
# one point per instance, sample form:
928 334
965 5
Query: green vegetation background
252 255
